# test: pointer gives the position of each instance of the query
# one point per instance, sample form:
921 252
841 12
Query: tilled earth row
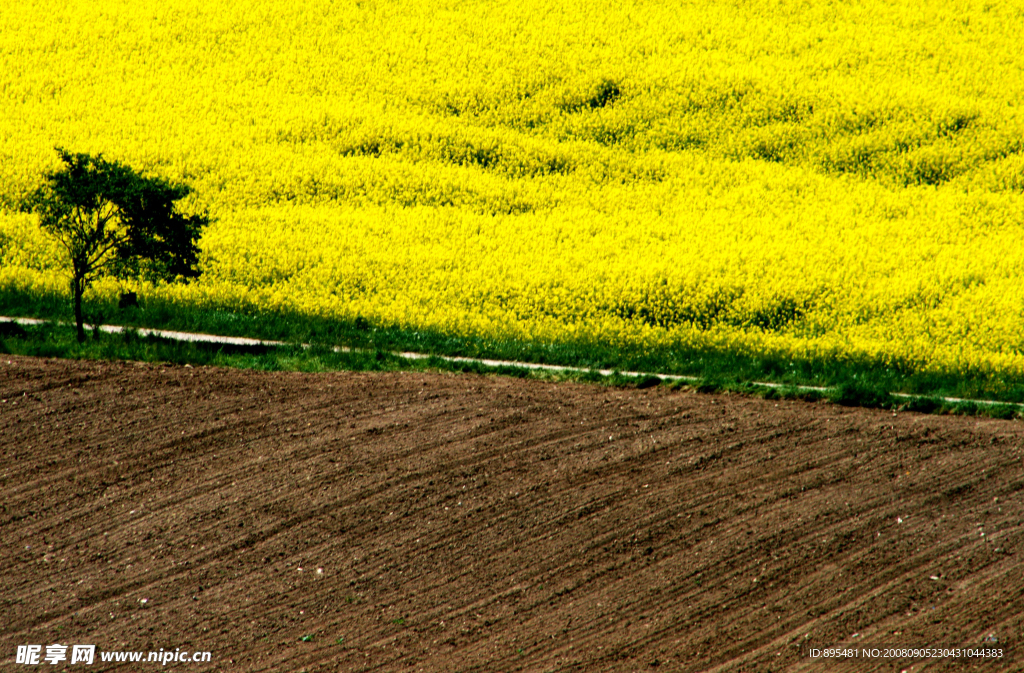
358 522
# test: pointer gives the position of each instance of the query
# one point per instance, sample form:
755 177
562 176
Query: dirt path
467 523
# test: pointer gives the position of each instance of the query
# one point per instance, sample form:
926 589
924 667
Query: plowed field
354 521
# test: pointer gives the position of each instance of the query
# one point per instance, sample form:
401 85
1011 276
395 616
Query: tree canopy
113 221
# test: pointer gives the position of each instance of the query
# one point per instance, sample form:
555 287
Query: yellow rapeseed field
803 177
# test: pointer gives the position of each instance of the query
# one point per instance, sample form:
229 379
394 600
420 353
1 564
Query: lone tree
112 221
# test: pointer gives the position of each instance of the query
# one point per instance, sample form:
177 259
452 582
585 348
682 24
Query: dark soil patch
348 522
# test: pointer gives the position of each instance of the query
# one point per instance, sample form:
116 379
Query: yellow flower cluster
799 177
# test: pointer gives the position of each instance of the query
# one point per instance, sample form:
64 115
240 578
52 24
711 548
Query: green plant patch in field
374 348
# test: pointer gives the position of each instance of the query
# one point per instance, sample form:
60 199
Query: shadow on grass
855 382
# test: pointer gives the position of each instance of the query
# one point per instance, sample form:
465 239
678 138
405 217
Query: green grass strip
860 383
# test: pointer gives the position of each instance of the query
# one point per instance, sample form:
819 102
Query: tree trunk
77 289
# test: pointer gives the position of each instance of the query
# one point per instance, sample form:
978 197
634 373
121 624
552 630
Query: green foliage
716 369
112 221
648 382
709 384
1003 411
55 340
857 394
924 405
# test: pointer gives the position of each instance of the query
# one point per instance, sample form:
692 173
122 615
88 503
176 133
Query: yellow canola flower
803 179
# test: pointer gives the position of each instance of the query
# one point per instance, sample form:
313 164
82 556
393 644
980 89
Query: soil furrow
405 521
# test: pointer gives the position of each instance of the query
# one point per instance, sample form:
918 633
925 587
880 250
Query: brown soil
465 523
